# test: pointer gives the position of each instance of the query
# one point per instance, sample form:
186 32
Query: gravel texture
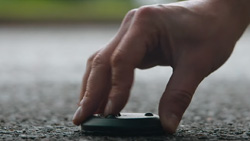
40 75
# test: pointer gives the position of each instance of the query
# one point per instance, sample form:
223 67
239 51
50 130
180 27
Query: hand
188 36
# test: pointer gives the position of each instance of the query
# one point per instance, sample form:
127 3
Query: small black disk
128 124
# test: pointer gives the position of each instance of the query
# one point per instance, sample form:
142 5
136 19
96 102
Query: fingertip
169 123
77 116
82 112
109 108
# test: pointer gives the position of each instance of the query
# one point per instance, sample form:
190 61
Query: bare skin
193 37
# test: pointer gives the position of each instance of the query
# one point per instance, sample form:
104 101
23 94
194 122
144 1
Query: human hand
188 36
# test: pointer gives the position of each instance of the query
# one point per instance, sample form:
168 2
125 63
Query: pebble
24 136
226 137
49 128
216 130
23 131
239 132
5 132
202 136
196 118
42 136
18 132
57 130
59 127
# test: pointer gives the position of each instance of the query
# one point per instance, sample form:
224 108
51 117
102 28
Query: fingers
123 29
177 96
86 76
97 79
125 58
129 55
96 84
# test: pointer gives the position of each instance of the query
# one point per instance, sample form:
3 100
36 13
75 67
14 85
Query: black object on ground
125 124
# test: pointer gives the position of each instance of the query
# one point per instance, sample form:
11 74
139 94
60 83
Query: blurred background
44 46
68 10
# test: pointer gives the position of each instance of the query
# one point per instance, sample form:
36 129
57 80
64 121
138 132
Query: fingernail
77 115
108 108
79 102
82 101
170 123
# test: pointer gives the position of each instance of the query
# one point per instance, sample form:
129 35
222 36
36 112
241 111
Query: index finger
126 57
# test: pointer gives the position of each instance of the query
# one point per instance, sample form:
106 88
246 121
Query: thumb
177 96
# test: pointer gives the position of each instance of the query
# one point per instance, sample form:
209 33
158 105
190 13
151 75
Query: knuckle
129 16
98 61
147 11
118 59
91 58
131 13
146 16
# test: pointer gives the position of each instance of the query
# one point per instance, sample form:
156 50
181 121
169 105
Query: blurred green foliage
63 10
